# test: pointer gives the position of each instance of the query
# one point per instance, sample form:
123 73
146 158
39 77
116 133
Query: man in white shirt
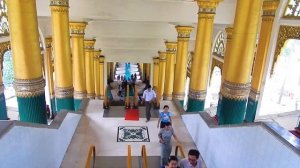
148 97
192 161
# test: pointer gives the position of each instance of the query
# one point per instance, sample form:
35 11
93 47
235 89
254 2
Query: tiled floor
102 132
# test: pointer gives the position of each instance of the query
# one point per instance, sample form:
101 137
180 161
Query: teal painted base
3 110
219 106
195 105
181 102
53 105
32 109
232 111
64 104
77 103
251 110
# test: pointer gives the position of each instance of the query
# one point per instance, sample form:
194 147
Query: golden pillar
155 71
77 34
89 67
28 83
49 72
161 76
142 71
170 67
108 70
62 54
181 61
201 58
269 10
101 72
235 87
97 73
229 31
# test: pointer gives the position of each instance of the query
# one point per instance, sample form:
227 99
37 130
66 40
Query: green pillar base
3 110
251 110
181 102
32 109
77 103
64 104
195 105
232 111
53 105
219 106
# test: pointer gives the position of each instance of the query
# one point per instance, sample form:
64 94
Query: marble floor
102 132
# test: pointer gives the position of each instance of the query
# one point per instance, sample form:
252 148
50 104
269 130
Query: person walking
164 117
172 162
192 161
165 134
148 97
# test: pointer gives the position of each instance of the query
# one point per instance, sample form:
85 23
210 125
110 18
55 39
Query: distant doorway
214 88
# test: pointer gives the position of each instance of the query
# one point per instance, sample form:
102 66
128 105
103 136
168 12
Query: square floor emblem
133 134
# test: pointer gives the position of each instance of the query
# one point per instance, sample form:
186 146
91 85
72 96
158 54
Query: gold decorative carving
162 56
77 28
254 95
285 33
167 96
80 94
89 44
184 32
29 87
101 59
206 6
91 95
178 96
1 88
235 91
48 41
156 60
64 3
270 7
61 92
59 9
171 47
197 94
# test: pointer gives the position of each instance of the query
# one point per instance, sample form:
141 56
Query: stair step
121 161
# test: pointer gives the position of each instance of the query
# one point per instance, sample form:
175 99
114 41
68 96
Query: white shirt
184 163
149 96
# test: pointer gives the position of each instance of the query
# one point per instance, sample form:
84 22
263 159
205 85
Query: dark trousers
148 109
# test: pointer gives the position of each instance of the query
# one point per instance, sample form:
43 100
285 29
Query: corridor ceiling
135 30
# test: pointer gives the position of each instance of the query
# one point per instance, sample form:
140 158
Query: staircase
121 161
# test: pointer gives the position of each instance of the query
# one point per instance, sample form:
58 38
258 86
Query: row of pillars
237 101
75 78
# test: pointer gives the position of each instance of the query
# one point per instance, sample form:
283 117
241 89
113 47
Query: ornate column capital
269 7
155 60
97 53
101 59
235 91
77 28
208 6
89 44
48 42
184 32
171 47
162 56
29 87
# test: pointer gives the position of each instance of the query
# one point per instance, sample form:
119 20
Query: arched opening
214 88
282 90
9 91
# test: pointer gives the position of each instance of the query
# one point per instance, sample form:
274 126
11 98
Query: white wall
31 147
239 147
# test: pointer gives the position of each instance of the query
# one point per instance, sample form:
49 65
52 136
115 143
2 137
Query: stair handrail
105 101
129 159
179 146
91 153
144 156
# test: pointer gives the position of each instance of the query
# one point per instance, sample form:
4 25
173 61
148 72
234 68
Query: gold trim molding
89 44
80 94
171 47
167 96
235 91
61 92
178 96
91 95
254 95
197 94
64 3
285 33
29 87
184 32
77 28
